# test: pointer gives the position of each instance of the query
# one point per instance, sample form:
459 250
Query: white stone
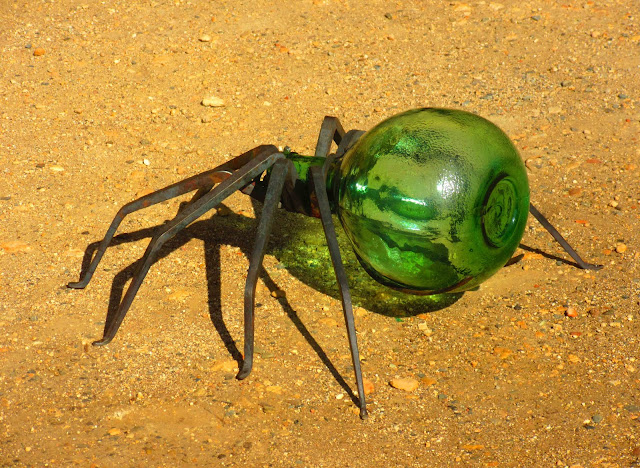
212 101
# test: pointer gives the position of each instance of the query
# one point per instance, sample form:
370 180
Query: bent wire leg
201 192
331 130
272 198
341 276
202 182
561 240
206 179
236 181
348 140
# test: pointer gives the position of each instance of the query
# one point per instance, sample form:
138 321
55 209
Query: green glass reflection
299 244
432 200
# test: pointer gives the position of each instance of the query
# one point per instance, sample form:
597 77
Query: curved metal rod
272 199
341 276
330 131
209 201
561 240
202 182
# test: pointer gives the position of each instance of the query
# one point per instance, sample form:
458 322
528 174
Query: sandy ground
101 102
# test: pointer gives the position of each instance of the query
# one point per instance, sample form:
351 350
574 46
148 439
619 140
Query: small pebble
472 447
575 191
212 101
205 38
424 328
428 381
502 352
369 388
38 52
621 248
406 383
228 365
278 293
597 418
179 295
16 246
571 312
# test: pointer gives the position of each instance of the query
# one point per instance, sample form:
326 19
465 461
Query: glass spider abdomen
433 200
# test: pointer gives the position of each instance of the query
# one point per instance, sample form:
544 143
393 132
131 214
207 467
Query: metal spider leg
331 130
202 183
561 240
271 201
349 139
334 250
236 181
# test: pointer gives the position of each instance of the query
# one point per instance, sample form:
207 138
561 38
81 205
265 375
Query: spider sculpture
432 200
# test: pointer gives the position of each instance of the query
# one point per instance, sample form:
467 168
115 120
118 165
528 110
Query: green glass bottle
432 200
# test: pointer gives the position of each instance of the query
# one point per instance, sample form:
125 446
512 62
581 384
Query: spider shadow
237 230
299 245
549 256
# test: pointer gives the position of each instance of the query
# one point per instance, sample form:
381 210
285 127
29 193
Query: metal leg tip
244 372
364 414
76 285
102 342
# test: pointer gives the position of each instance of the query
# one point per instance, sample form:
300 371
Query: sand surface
101 102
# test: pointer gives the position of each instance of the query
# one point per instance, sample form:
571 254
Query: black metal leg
272 198
350 138
330 131
561 240
172 191
236 181
201 192
202 182
341 276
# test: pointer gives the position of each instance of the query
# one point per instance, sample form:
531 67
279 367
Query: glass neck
303 165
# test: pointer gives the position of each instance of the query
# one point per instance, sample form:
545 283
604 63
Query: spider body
432 200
